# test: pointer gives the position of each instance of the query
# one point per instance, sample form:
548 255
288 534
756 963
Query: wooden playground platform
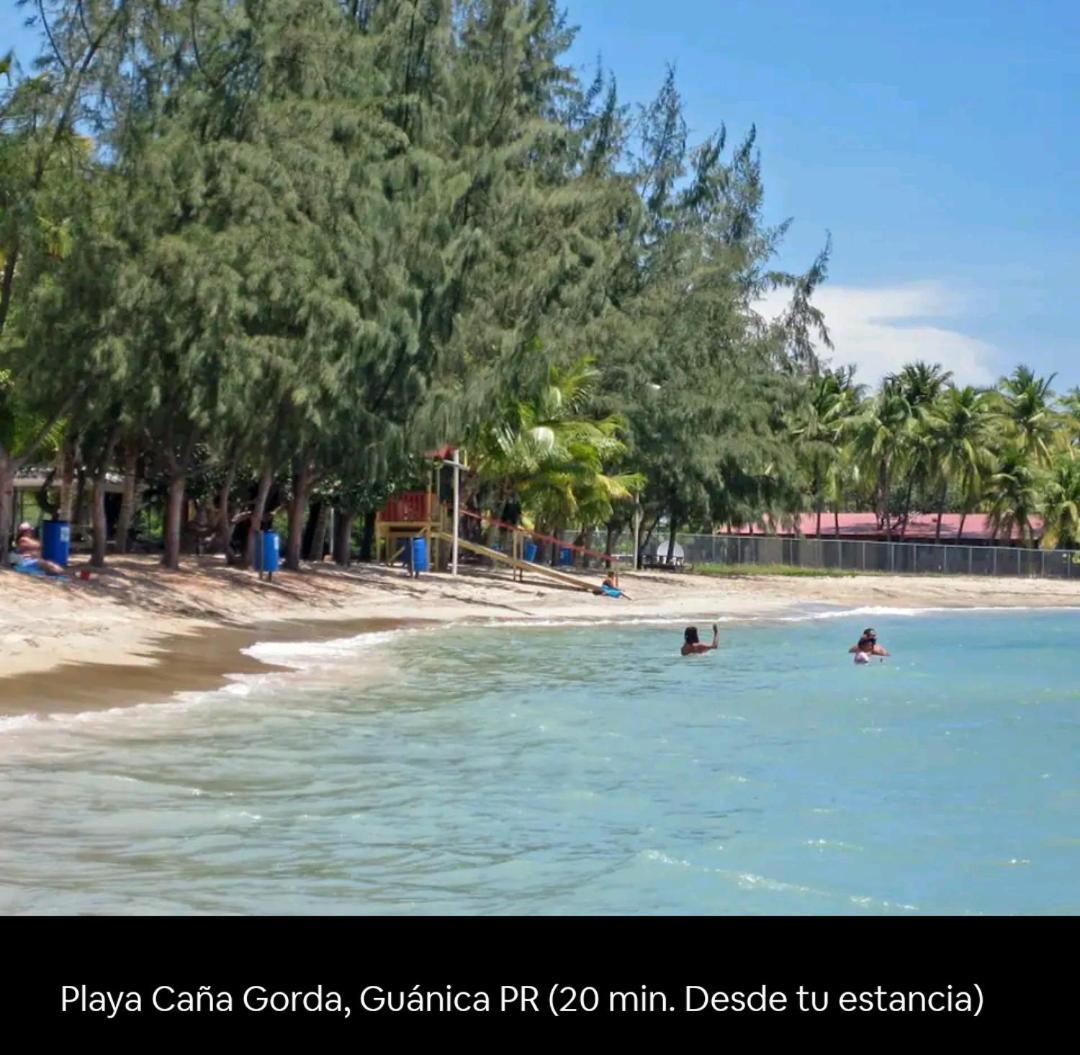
419 514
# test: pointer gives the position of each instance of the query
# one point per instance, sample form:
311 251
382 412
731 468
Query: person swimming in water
693 646
867 646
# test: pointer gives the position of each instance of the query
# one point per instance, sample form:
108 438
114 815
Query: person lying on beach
692 645
28 553
867 646
610 588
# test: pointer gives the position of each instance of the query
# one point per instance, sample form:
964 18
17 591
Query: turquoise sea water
572 769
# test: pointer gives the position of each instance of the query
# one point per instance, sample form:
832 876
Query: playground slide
521 565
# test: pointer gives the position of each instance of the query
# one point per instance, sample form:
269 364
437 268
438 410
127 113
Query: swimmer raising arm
692 645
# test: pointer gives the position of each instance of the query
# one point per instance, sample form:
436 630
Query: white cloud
881 329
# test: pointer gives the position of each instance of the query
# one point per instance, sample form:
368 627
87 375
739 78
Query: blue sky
937 141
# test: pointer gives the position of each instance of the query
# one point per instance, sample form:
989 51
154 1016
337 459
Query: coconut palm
879 447
1061 503
1013 494
961 432
1071 419
921 385
820 429
1027 407
549 455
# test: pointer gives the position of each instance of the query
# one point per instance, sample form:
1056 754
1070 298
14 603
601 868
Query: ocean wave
13 722
911 613
304 655
777 616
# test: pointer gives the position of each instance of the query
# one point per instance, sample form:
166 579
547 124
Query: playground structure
414 514
420 514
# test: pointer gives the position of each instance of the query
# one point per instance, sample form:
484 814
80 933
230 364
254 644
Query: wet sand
202 659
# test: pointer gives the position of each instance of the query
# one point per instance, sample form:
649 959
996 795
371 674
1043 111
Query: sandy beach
136 631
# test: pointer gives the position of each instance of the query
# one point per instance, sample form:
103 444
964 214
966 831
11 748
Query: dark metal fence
898 557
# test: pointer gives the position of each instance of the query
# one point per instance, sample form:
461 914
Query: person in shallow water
867 646
693 646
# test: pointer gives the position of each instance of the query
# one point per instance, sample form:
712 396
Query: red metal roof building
921 527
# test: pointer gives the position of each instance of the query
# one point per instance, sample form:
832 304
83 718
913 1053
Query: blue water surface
573 769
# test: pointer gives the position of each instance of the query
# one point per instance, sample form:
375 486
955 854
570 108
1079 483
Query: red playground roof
445 453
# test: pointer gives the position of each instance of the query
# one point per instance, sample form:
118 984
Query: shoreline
135 634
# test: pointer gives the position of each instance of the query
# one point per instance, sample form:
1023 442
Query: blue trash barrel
271 551
419 555
531 549
56 541
566 556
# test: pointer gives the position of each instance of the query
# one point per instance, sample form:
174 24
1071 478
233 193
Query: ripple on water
527 780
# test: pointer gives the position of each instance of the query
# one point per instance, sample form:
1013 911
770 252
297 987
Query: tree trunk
836 521
67 481
907 508
883 503
818 529
556 547
7 505
367 539
127 502
674 527
644 542
174 520
941 510
80 522
223 527
343 526
97 518
960 530
302 473
582 539
613 536
258 512
317 545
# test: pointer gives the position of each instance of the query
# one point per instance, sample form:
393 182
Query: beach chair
659 558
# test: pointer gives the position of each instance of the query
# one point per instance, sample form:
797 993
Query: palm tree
1061 504
549 455
878 436
820 429
921 385
961 434
1026 406
1071 419
1013 494
844 472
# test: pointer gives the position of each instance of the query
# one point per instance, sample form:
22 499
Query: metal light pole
457 466
457 514
637 535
